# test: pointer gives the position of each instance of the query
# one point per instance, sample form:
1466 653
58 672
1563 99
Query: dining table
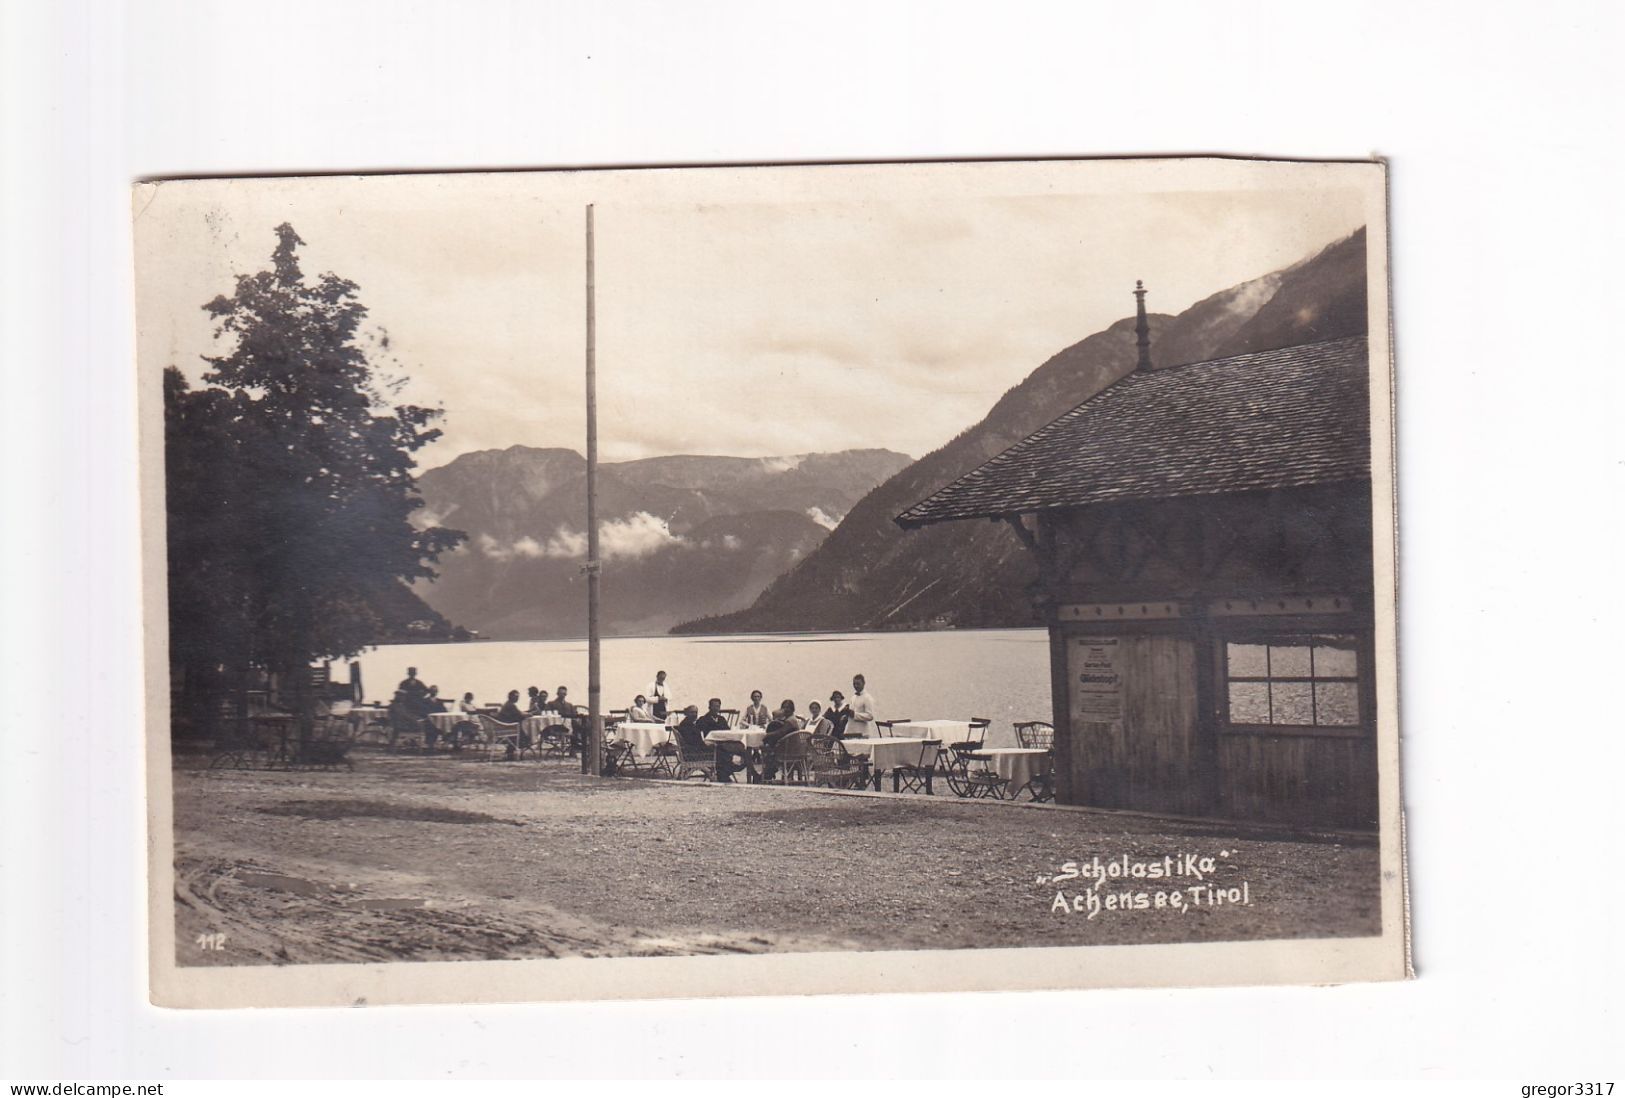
1018 766
746 741
889 752
644 736
536 724
947 731
446 723
748 735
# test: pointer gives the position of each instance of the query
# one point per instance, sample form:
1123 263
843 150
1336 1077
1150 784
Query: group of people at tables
415 702
841 718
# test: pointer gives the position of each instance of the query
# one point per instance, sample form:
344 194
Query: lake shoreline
1001 675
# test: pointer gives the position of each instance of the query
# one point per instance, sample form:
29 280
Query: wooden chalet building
1204 540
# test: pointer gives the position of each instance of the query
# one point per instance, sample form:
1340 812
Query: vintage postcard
774 580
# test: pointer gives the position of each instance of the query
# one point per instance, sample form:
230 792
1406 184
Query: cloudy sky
756 312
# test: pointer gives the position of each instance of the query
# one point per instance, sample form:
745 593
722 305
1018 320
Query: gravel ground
443 859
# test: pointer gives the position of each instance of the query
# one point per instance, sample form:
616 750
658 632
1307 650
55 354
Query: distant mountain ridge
869 574
682 536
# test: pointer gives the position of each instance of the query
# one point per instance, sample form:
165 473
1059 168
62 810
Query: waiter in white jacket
862 704
659 695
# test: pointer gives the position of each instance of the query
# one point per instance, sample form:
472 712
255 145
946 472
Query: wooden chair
916 777
885 727
974 739
662 761
971 775
732 715
618 758
1039 735
240 744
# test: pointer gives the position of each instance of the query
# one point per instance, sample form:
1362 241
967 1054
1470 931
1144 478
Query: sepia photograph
715 581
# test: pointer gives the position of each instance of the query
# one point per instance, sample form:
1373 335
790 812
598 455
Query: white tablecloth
1018 764
750 736
889 752
946 731
643 737
447 722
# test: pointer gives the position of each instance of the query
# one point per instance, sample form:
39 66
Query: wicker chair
495 733
792 755
694 759
1039 735
829 765
555 739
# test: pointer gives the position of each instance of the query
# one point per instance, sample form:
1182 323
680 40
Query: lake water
1001 674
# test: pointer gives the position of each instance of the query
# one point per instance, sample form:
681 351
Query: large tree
289 477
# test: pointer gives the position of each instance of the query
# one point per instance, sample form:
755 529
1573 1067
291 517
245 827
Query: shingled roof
1270 419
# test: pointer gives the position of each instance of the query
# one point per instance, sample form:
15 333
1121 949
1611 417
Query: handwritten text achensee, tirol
1094 899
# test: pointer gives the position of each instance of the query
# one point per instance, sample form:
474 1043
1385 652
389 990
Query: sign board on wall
1097 686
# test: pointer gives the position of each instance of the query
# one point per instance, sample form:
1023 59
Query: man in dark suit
715 720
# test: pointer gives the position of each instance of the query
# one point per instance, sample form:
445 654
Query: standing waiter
659 695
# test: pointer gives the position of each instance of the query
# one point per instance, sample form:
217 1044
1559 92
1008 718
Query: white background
1500 122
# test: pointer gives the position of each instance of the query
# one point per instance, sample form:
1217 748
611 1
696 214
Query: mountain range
681 536
869 574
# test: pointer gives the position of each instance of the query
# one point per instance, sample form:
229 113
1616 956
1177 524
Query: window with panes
1306 680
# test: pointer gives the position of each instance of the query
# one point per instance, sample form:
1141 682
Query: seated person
539 703
715 720
466 730
571 718
641 713
817 723
428 703
756 714
531 694
783 724
688 730
510 712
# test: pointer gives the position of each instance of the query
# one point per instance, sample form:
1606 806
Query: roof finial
1142 329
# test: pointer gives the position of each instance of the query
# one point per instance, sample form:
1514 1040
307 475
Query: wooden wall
1326 780
1145 759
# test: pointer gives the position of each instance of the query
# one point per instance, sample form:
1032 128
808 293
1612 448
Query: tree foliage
289 478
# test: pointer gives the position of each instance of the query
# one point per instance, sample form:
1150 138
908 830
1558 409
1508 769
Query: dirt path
440 859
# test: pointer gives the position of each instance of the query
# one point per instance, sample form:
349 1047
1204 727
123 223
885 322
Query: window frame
1294 638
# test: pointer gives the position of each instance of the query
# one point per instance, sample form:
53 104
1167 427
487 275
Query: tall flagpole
594 753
